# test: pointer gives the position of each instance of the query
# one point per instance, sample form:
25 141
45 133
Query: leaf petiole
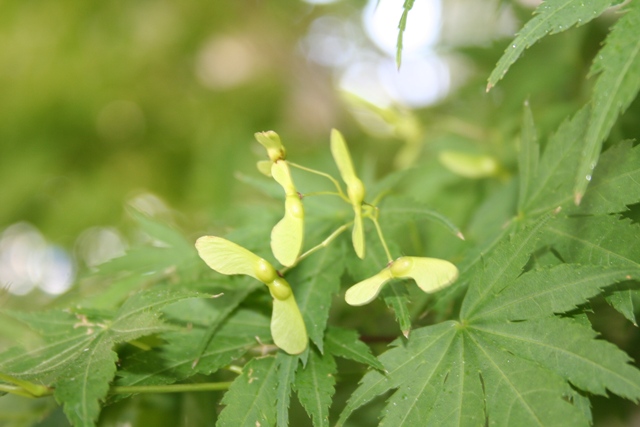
170 388
22 387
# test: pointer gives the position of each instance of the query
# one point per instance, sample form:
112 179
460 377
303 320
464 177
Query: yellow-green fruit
356 191
280 289
401 266
265 272
293 205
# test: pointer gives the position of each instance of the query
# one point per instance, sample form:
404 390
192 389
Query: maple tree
497 331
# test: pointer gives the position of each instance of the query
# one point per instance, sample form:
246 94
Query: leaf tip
460 236
406 333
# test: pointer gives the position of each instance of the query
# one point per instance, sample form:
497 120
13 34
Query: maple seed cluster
287 325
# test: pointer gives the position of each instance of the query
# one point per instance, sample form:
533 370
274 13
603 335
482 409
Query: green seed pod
265 272
279 289
402 266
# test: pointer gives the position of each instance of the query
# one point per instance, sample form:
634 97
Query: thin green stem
21 391
321 193
381 237
319 246
32 390
326 175
170 388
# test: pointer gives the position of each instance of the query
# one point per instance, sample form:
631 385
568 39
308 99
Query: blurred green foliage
103 102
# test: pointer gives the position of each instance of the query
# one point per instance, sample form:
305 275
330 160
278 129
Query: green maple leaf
314 283
551 17
250 401
617 65
287 367
314 386
602 240
174 360
508 360
76 355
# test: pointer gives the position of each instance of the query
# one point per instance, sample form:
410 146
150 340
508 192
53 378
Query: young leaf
250 401
551 17
527 156
618 66
314 386
345 343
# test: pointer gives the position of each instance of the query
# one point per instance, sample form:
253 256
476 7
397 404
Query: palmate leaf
601 240
551 17
509 361
76 357
500 269
287 366
618 68
345 343
314 386
615 183
552 186
250 400
174 360
314 282
528 156
172 250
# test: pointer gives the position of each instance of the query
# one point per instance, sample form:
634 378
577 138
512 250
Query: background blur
153 104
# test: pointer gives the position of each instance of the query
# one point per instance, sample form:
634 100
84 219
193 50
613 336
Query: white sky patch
27 262
423 25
